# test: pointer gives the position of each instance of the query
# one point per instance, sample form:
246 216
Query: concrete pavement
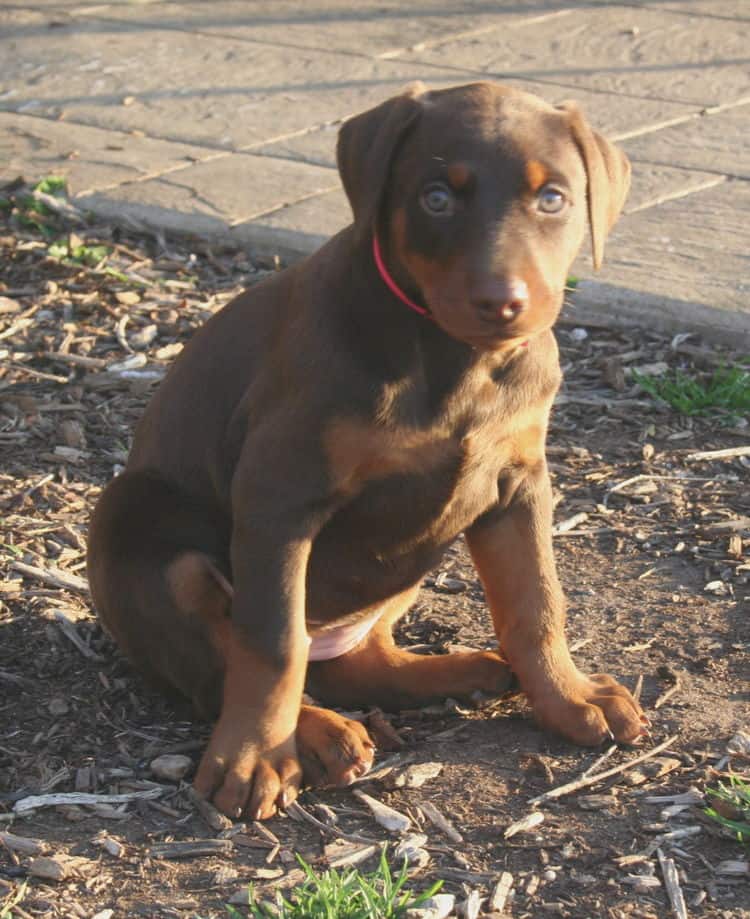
220 117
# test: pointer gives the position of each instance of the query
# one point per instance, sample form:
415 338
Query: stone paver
693 260
221 118
641 53
719 143
89 158
221 191
372 28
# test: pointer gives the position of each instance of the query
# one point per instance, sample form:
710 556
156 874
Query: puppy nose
501 299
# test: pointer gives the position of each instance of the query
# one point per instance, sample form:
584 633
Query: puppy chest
442 490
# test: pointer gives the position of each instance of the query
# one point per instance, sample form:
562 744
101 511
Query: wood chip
739 745
672 883
24 845
500 892
524 824
730 453
448 585
414 776
53 576
439 906
691 796
569 524
412 849
441 822
171 766
392 820
469 909
595 802
49 868
384 735
192 849
340 854
112 847
61 867
213 817
35 802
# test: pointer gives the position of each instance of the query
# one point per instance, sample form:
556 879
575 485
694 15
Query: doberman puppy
324 437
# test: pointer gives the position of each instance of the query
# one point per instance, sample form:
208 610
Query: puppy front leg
512 551
251 763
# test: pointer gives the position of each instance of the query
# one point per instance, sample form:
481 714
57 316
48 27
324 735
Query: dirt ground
653 558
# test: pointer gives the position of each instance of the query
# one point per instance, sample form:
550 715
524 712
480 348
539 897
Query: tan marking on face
459 175
536 174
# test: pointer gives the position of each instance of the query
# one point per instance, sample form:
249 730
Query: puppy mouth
491 333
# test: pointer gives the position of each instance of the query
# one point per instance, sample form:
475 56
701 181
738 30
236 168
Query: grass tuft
726 391
731 808
342 895
12 900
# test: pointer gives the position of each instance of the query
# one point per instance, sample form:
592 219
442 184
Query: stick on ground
587 780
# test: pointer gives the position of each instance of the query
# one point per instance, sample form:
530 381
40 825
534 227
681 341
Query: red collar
390 283
396 290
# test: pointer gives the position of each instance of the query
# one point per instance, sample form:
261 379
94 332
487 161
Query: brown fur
318 445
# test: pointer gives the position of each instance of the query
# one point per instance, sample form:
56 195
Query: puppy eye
437 199
550 200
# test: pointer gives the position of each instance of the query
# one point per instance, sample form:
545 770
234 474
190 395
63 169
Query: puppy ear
608 172
365 150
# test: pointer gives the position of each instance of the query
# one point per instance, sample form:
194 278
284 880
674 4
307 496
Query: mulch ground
652 548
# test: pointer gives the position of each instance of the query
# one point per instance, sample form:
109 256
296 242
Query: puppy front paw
244 774
589 709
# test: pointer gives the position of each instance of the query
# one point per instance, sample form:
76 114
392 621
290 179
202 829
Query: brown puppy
325 437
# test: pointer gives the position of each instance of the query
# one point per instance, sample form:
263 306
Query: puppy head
480 196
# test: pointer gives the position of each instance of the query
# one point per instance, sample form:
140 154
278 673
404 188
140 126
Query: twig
570 524
53 576
672 883
71 633
59 206
620 485
34 802
587 780
295 809
441 822
638 688
78 360
355 856
214 818
599 760
665 696
458 874
645 477
191 849
729 453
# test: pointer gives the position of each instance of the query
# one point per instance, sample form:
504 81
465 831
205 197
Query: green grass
726 391
342 895
81 254
732 807
34 214
13 899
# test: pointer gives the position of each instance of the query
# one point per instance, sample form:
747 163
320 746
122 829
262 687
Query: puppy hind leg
203 595
148 590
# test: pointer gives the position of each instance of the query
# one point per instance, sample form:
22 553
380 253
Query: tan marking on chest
358 452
